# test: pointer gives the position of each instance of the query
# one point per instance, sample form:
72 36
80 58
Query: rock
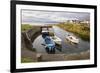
39 57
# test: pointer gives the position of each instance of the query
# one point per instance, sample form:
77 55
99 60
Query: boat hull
76 41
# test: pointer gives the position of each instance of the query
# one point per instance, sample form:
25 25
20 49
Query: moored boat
57 40
73 39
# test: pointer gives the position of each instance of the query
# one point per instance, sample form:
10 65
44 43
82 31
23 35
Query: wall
5 36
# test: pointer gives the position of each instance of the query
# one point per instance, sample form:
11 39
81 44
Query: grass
25 27
26 60
81 30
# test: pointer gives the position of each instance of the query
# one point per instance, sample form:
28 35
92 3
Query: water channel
66 46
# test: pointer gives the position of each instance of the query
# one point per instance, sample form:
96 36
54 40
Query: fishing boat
72 39
47 32
49 43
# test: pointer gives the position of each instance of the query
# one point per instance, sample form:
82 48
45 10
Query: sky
51 17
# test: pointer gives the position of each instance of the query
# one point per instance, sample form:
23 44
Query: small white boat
72 39
57 40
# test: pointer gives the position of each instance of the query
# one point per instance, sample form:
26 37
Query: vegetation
25 27
26 60
81 30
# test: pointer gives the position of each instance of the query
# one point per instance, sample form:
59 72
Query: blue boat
49 44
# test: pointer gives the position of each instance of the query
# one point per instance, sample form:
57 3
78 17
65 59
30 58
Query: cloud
31 16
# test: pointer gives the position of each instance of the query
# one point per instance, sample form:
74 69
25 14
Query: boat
49 43
56 39
47 32
72 39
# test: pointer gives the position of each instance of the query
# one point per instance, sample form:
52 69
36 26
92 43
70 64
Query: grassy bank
25 27
81 30
26 60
